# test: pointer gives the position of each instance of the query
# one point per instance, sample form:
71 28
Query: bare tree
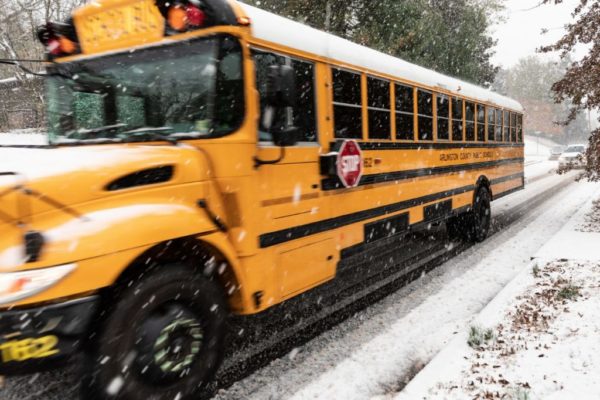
19 20
581 81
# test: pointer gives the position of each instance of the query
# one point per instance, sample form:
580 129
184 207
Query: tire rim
177 346
171 339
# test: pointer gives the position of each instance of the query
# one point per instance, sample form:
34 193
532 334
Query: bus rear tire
473 226
162 338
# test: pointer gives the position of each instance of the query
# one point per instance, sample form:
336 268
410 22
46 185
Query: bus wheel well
201 256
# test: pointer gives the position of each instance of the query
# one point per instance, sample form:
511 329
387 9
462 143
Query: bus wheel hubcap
171 342
178 345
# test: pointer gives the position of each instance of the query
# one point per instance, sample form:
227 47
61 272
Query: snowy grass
538 338
535 271
479 336
568 292
591 221
518 393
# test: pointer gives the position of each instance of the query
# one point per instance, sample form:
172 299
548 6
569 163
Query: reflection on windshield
575 149
193 89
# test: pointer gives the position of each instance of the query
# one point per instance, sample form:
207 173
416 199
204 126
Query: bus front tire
473 226
162 338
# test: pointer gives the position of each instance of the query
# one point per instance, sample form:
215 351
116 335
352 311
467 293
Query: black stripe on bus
437 211
427 146
508 178
297 232
334 183
363 246
507 192
387 227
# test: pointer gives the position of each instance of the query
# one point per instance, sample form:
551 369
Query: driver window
303 115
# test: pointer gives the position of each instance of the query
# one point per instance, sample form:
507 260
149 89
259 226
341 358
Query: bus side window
378 94
425 114
506 127
457 119
303 115
305 111
347 104
491 123
498 129
405 111
480 123
470 118
263 61
520 128
513 127
443 115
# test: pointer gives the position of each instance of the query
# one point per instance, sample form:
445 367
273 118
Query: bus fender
123 228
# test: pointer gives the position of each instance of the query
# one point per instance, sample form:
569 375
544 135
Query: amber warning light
60 39
184 15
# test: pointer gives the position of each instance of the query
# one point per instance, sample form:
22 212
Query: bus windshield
192 89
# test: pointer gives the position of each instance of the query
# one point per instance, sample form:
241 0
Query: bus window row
407 113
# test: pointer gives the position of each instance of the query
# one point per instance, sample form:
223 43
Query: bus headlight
15 286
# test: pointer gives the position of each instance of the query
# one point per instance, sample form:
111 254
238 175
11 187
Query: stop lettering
349 163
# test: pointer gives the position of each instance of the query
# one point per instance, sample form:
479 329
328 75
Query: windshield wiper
94 131
152 133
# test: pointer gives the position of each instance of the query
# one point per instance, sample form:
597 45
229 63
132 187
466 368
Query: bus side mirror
286 137
281 86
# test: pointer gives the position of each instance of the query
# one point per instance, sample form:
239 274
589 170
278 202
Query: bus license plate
28 349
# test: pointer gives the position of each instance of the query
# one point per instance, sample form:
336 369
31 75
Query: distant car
572 157
556 152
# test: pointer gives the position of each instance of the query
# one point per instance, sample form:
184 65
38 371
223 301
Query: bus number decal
26 349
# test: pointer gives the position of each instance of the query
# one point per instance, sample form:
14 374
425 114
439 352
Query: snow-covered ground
538 147
23 137
537 163
543 328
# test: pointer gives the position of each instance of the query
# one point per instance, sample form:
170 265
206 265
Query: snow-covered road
373 352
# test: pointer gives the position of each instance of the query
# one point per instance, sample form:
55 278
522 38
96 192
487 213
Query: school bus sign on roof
122 23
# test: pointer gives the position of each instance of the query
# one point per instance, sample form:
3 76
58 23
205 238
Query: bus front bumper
38 339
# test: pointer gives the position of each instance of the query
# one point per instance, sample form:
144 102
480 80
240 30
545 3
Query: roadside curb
450 362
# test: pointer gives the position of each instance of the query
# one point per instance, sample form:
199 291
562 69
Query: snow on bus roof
276 29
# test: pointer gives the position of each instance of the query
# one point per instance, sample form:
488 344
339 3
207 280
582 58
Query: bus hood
52 178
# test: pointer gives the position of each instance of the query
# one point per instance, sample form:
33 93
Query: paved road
513 214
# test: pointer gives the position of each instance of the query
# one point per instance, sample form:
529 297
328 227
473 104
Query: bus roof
276 29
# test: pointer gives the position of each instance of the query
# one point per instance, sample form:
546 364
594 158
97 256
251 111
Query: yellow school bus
208 159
